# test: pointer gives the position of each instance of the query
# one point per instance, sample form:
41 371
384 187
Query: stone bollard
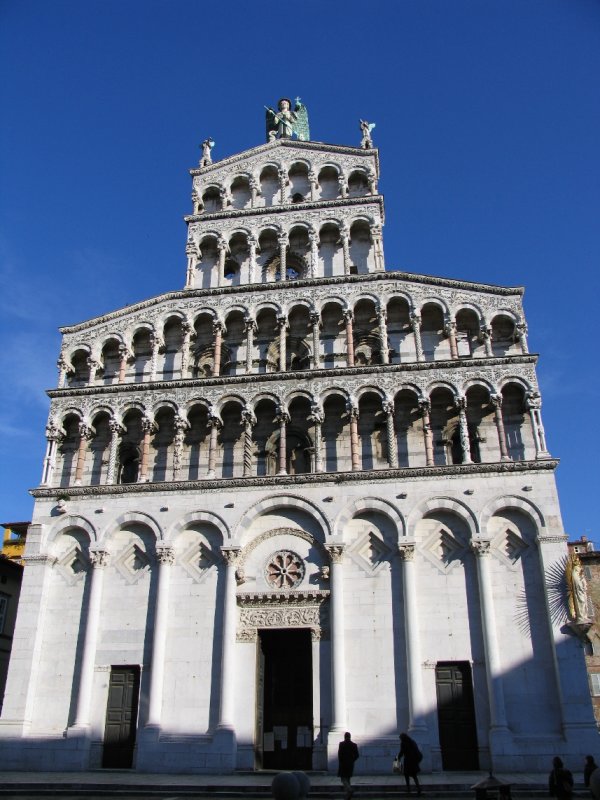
290 786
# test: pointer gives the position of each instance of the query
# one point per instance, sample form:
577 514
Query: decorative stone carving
284 570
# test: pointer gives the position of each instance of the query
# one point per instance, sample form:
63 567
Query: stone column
227 695
222 250
192 259
348 316
460 403
521 336
250 327
450 331
215 424
252 245
218 334
186 329
55 436
283 419
425 408
99 560
181 426
315 321
94 366
485 336
352 410
314 185
416 696
124 354
496 401
283 184
313 238
86 434
157 343
316 416
249 419
343 184
372 180
165 556
392 448
64 369
254 190
148 428
338 656
533 403
116 431
282 323
383 335
378 247
345 237
282 241
415 322
493 664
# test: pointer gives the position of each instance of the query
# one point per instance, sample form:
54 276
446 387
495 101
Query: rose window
284 570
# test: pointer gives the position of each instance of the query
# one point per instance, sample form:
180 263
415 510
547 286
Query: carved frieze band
282 610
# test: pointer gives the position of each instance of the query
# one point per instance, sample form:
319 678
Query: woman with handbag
409 759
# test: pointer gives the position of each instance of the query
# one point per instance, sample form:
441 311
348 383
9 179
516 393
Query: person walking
560 781
590 766
411 757
347 755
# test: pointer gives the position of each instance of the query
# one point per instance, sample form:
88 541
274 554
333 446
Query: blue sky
488 119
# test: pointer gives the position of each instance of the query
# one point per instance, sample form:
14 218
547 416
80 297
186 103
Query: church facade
303 495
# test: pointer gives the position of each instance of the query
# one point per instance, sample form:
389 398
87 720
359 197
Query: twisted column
425 408
415 323
315 321
282 323
283 183
186 330
227 695
99 560
250 327
388 410
348 317
86 434
165 555
249 420
116 431
192 259
493 664
313 238
218 334
383 335
496 400
416 697
282 241
338 675
460 404
215 424
283 419
345 237
148 427
316 416
352 410
450 331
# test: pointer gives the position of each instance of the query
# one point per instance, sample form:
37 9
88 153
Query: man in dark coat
411 755
347 755
560 782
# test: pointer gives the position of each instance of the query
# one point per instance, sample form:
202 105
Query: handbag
397 765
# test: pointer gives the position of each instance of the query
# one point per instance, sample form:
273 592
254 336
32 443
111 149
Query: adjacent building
304 494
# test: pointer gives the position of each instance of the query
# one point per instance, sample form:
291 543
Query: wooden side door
121 717
456 716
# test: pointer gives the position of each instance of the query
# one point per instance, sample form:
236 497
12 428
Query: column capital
406 551
460 402
415 319
315 318
485 332
352 408
282 415
282 320
388 406
481 547
348 314
165 554
424 404
253 182
252 240
450 327
99 558
381 311
180 423
148 424
125 352
218 326
496 400
533 400
282 239
249 416
190 249
221 244
214 420
116 427
520 330
344 232
316 414
336 552
230 555
54 432
313 236
86 431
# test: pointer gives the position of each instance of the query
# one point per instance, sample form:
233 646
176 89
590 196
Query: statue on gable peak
285 123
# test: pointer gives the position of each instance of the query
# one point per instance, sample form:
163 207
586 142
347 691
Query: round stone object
304 782
285 786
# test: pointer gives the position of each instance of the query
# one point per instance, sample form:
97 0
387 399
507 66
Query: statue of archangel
284 123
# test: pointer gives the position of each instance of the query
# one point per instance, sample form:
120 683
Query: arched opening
367 341
432 333
173 349
240 192
142 354
211 200
111 361
67 450
195 450
400 335
445 428
129 454
358 184
372 432
268 252
161 452
299 444
408 424
81 369
266 438
329 183
299 187
266 340
361 248
333 336
331 256
209 259
298 350
204 346
517 423
503 336
97 454
234 345
483 434
231 440
269 186
336 434
467 334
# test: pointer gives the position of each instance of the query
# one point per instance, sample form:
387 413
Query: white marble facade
299 440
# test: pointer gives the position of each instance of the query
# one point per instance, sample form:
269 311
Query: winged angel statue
284 123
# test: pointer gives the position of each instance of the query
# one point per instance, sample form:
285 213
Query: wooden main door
456 715
121 717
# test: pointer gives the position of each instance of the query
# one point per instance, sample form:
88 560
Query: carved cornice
289 598
295 376
285 481
261 288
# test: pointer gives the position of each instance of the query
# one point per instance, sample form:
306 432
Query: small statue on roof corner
207 145
285 123
365 128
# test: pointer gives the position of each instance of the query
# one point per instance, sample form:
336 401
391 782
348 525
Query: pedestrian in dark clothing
347 755
560 782
411 758
590 766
